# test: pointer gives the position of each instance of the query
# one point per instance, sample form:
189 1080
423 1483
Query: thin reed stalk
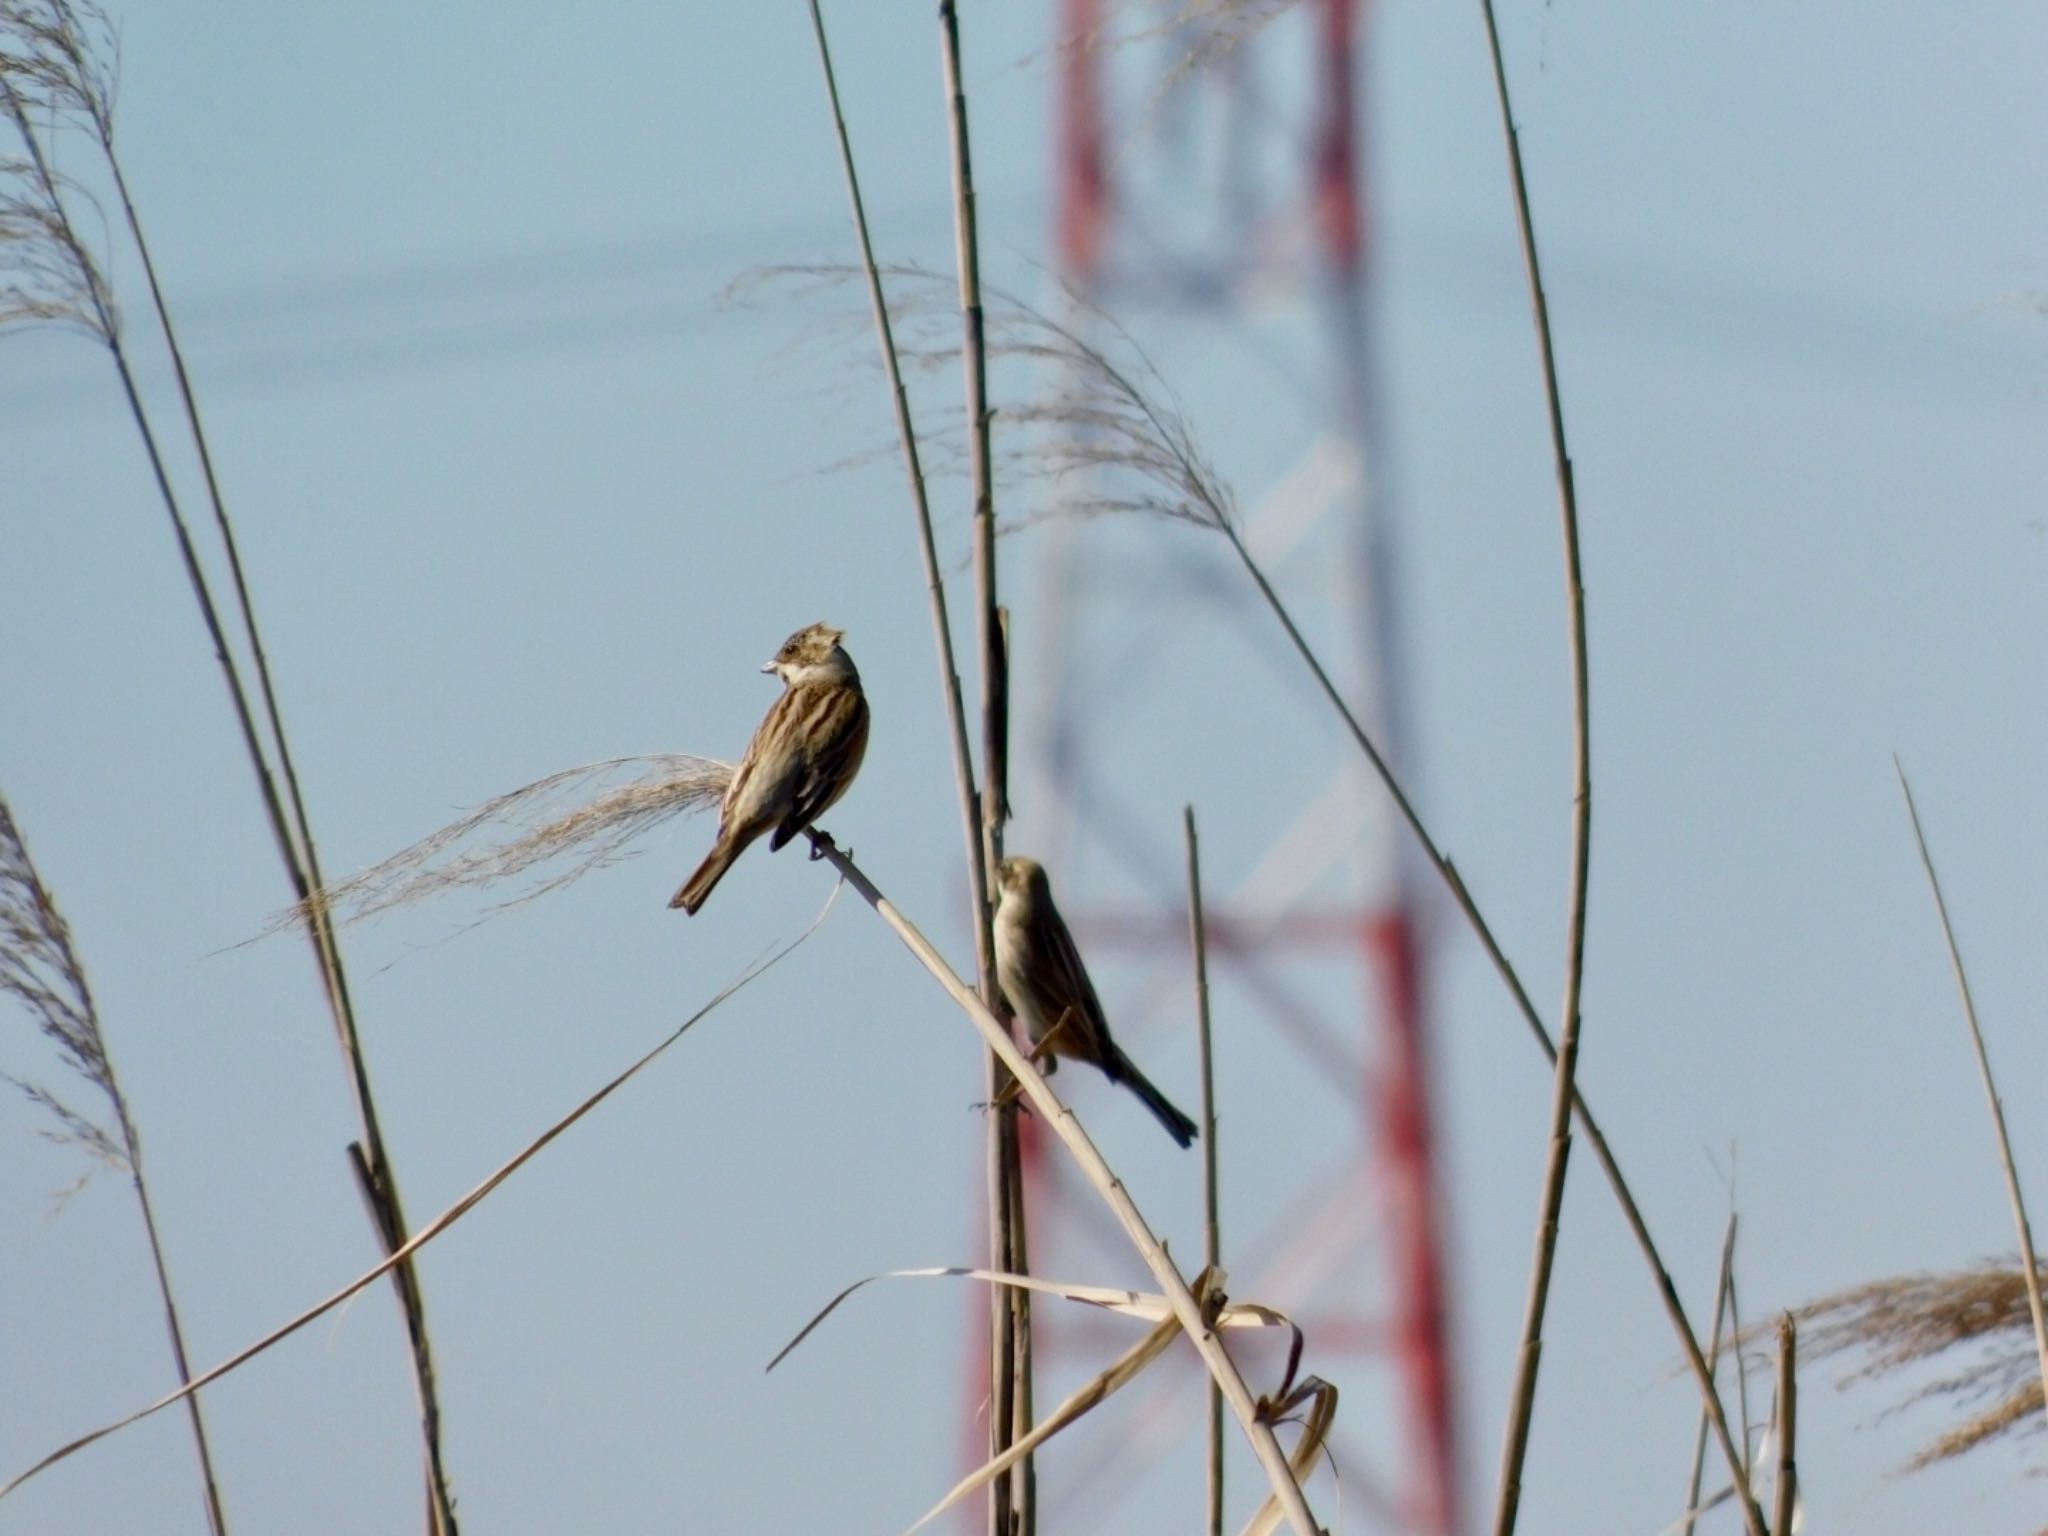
1785 1491
1024 1490
1212 1228
1529 1357
2022 1227
906 432
41 969
68 61
1062 1123
1724 1286
1010 1305
1741 1373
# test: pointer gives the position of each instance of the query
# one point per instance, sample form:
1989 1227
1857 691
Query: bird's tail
698 887
1178 1125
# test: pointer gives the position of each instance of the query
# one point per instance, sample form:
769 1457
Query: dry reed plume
57 65
520 832
1109 436
40 969
46 277
1976 1320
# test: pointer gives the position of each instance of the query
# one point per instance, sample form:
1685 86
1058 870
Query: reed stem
1212 1231
1529 1356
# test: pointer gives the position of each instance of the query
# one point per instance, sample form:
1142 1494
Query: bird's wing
834 729
767 776
1087 1033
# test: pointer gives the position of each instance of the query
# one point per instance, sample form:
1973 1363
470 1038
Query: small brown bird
804 754
1048 988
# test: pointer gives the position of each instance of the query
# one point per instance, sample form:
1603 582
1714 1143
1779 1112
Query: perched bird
804 754
1048 988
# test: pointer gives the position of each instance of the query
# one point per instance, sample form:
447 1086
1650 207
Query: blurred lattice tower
1210 194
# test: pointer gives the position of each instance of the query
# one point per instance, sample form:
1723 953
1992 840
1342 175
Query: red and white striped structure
1217 181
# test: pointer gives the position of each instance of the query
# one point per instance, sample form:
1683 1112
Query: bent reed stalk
1061 1121
1529 1355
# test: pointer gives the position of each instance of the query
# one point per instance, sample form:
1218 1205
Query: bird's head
1022 880
812 654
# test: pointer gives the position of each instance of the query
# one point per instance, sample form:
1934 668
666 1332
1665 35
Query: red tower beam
1096 238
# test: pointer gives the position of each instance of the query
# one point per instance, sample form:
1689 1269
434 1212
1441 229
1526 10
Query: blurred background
518 487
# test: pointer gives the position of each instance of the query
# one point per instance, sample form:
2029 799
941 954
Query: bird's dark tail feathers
698 887
1178 1126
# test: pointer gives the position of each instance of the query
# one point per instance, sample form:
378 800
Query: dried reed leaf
1712 1501
555 830
1763 1477
1143 1305
1125 1369
1321 1397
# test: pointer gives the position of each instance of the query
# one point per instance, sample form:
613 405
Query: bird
803 756
1048 988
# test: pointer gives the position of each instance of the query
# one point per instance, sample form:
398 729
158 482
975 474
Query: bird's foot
1011 1097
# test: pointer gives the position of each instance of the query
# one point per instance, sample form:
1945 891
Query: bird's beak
767 666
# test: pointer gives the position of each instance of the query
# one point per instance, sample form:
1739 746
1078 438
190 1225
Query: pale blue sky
516 492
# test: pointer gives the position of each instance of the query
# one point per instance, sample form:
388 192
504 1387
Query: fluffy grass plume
1975 1322
40 970
544 834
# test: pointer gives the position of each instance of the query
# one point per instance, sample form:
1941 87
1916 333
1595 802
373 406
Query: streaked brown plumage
1048 987
803 756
